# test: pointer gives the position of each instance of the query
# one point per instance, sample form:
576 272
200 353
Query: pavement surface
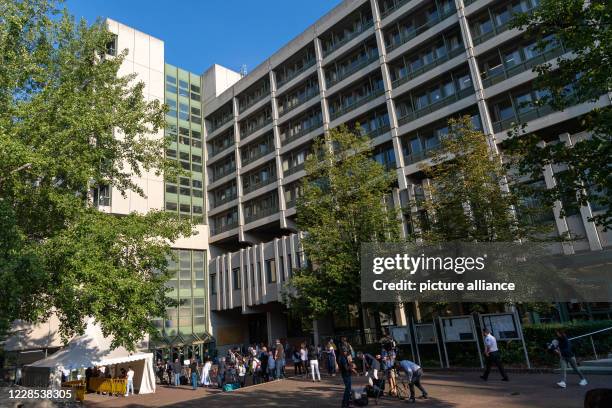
446 390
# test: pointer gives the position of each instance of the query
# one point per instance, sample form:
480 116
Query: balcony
261 213
352 68
217 203
260 153
294 74
390 10
435 106
256 186
377 132
292 170
416 157
496 29
406 36
359 102
522 118
253 129
419 71
224 228
500 73
244 107
302 132
310 93
348 37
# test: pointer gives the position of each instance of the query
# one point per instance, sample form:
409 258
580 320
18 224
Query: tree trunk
362 336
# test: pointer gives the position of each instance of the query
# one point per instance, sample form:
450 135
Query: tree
473 197
585 27
68 124
342 206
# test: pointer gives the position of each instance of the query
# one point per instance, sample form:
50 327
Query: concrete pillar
585 210
277 146
322 85
382 52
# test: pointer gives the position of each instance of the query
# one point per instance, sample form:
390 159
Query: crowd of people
386 370
259 363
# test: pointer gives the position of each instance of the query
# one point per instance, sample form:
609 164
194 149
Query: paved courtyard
446 390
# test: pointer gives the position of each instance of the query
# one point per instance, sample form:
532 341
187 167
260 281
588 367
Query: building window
236 278
213 284
111 46
270 271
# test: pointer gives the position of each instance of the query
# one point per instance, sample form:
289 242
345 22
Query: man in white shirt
492 356
130 382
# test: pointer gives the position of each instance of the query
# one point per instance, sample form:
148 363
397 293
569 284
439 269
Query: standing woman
206 373
331 357
313 357
304 358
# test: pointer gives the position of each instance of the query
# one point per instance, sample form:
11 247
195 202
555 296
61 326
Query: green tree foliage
70 123
344 204
585 27
472 196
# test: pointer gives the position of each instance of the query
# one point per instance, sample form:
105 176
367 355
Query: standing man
492 356
346 370
279 356
413 372
193 369
130 381
177 369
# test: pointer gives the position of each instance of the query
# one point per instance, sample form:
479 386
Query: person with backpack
297 362
263 360
563 348
413 373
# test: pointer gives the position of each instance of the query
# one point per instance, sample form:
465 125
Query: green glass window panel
185 260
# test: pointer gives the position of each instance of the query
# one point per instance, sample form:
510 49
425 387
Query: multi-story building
399 68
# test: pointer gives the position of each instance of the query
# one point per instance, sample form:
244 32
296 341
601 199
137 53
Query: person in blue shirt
346 367
414 373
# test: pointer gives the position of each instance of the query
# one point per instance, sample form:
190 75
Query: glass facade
188 287
185 195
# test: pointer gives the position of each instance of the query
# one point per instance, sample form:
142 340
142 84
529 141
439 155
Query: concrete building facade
399 68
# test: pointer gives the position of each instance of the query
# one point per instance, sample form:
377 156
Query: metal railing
406 36
522 117
494 77
348 37
344 109
253 129
310 93
590 336
302 132
261 213
295 73
354 67
464 93
421 70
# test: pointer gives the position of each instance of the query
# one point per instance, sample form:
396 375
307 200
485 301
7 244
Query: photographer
562 346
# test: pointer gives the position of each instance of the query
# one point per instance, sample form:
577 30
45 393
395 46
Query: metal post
437 343
520 328
593 345
477 342
416 339
443 342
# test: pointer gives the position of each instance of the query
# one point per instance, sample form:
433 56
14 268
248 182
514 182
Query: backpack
360 396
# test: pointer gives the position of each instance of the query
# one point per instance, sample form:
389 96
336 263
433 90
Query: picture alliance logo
413 264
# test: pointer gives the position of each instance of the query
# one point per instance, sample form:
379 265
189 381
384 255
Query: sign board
502 325
401 334
458 329
425 334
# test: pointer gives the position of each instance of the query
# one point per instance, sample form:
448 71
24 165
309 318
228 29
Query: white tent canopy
93 349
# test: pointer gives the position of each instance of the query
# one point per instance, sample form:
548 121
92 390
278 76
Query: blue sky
198 34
